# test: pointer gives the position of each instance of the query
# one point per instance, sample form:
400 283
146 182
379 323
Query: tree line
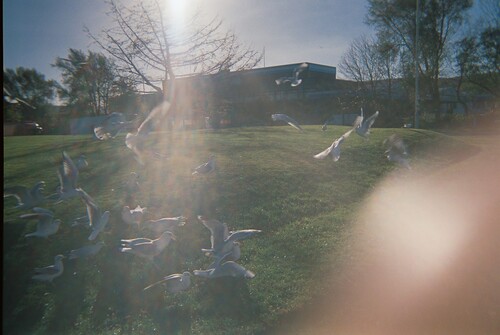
142 50
448 46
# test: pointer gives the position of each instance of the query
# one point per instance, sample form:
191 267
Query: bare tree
147 50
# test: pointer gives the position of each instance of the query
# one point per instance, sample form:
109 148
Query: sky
291 31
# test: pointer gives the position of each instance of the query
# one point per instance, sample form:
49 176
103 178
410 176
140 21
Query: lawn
265 179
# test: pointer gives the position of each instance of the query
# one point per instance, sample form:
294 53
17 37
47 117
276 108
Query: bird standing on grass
46 224
86 251
396 150
49 273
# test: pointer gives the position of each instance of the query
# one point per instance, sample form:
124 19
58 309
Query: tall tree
478 53
147 49
89 79
438 22
28 94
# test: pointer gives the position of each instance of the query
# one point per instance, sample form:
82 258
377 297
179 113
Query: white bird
26 198
136 142
205 168
50 272
46 224
110 127
396 150
221 239
334 149
174 283
86 251
294 79
164 224
287 119
147 248
133 216
226 269
323 128
363 126
9 98
97 219
68 178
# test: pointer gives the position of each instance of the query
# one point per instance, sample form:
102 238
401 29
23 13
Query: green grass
265 179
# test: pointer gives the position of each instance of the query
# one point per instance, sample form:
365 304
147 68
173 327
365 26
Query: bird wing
369 122
287 119
323 154
299 69
21 193
48 270
101 133
165 279
161 109
241 234
70 171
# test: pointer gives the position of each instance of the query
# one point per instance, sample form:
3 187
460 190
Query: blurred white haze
426 256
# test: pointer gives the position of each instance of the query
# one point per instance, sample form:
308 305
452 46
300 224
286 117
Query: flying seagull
287 119
226 269
9 98
50 272
26 198
175 282
164 224
132 184
136 141
110 127
396 150
363 126
68 178
133 216
86 251
147 249
97 219
334 149
294 79
205 168
81 162
221 239
46 224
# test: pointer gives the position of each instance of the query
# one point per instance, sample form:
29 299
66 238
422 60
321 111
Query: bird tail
93 235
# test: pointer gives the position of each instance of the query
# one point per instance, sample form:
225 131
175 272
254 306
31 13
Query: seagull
225 269
396 150
334 149
205 168
232 253
164 224
147 248
86 251
133 216
323 128
227 244
222 240
46 224
9 98
362 126
26 198
97 220
110 127
136 142
294 79
175 282
68 177
287 119
50 272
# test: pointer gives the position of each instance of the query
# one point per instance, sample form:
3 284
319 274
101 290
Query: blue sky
319 31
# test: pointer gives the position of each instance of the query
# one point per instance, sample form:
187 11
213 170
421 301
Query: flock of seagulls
225 245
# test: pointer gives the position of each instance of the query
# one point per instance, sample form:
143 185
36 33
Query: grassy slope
266 179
